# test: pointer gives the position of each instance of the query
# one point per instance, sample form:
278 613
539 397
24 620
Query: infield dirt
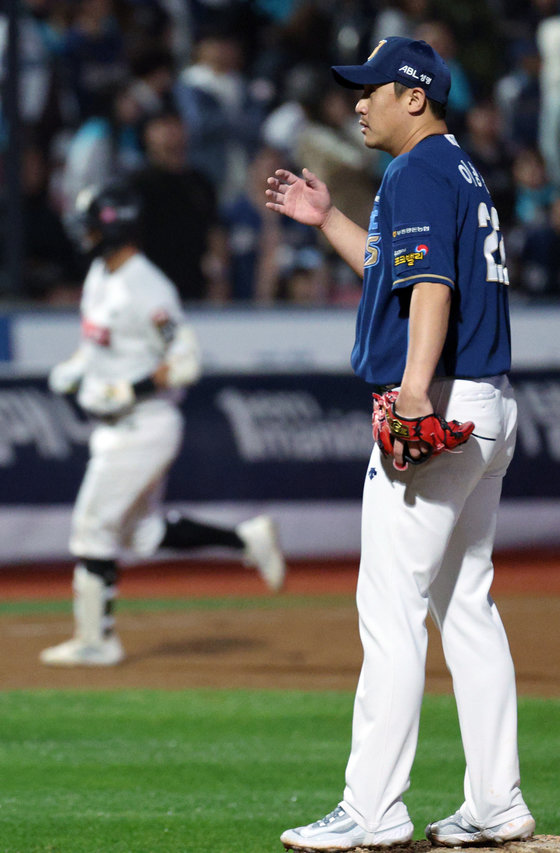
305 638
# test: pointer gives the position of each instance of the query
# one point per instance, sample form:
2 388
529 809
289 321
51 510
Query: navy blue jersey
433 220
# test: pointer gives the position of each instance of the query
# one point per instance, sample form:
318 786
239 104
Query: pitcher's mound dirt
538 844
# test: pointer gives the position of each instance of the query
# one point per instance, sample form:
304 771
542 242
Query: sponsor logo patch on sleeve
100 335
164 324
411 248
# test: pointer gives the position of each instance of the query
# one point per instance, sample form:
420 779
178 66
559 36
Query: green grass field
219 771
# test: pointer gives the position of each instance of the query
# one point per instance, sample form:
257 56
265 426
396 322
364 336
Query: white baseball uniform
129 323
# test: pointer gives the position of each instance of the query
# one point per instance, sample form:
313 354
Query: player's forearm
182 363
65 377
346 238
428 323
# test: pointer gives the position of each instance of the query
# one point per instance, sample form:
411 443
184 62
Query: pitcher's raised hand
305 199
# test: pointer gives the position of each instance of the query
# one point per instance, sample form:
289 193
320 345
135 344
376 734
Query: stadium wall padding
294 444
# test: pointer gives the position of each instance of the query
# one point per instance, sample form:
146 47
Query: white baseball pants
119 502
427 539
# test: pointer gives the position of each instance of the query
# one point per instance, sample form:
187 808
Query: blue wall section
5 340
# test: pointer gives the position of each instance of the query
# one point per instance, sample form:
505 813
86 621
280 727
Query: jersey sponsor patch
411 256
100 335
164 324
411 248
405 230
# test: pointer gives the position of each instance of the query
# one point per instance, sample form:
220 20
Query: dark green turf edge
23 607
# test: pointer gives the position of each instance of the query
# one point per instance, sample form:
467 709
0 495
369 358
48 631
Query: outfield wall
278 424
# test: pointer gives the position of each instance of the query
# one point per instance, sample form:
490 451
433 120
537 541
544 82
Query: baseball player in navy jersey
136 356
433 339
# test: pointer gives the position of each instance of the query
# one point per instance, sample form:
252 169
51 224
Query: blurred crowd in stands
198 101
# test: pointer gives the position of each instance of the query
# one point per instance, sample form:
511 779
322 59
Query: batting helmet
105 218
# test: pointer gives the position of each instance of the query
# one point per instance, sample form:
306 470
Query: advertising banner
286 440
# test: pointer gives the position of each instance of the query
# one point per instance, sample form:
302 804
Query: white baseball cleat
455 831
76 652
339 832
262 551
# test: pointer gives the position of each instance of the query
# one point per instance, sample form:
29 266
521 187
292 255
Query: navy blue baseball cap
399 60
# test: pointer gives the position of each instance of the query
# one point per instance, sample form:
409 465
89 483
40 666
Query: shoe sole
483 841
392 844
69 664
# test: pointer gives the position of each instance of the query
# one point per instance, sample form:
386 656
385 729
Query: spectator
517 95
330 144
94 54
222 117
490 153
324 137
41 34
152 83
258 243
305 279
105 145
442 39
94 70
146 24
533 190
306 35
282 127
180 229
480 44
180 30
51 270
539 262
523 16
317 127
350 28
400 18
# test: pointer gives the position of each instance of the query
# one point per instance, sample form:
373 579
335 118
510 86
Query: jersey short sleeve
156 297
155 304
423 227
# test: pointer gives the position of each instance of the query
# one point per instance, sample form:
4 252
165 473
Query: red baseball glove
432 429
